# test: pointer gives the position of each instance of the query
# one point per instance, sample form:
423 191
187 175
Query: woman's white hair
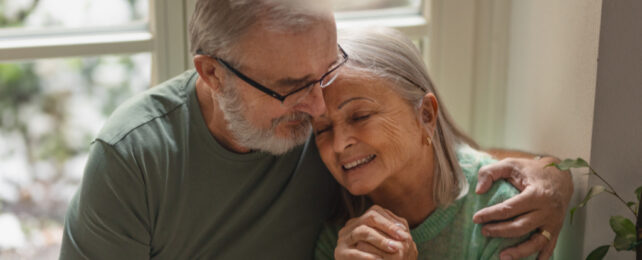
390 55
217 25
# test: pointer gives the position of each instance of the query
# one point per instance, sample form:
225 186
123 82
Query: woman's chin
359 188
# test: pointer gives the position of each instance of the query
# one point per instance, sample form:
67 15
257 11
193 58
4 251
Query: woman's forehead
349 86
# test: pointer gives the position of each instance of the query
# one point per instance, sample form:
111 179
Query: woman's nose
343 139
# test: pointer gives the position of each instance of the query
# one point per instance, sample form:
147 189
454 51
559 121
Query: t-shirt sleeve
326 243
108 217
500 192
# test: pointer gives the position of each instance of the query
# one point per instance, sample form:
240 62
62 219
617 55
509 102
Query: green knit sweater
449 232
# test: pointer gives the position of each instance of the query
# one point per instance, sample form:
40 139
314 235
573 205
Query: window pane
382 5
38 14
49 111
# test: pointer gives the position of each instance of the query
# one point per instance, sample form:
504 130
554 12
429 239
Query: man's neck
215 120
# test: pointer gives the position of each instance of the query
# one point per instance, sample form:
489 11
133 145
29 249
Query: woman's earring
429 140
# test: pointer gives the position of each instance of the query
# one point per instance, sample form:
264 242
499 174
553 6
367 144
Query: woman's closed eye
322 129
360 116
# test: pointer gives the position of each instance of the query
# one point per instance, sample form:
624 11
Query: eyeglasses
297 95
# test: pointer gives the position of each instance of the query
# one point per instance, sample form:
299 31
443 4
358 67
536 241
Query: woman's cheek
391 141
326 153
324 149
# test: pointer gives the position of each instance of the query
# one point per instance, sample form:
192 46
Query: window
408 16
47 14
63 69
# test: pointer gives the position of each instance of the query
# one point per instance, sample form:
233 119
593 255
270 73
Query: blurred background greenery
50 109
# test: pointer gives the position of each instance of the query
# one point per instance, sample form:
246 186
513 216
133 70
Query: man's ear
209 71
429 111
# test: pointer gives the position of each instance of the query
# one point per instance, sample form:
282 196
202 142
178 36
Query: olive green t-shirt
158 185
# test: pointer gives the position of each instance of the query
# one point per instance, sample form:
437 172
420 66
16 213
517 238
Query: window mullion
168 25
26 47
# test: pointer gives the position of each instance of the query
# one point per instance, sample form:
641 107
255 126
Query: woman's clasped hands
377 234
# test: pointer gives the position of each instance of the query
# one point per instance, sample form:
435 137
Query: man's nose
313 104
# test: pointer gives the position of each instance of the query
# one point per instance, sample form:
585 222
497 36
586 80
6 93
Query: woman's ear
429 111
209 71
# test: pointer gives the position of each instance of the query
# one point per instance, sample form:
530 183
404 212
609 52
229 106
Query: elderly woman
386 139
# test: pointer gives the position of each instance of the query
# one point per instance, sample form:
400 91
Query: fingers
520 226
504 169
377 232
534 244
401 222
547 253
347 253
542 203
368 248
377 217
373 237
489 174
517 205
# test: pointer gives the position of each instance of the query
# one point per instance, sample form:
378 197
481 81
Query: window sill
65 43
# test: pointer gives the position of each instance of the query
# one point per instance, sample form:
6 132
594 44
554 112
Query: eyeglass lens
296 98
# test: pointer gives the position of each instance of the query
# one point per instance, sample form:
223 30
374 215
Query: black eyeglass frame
270 92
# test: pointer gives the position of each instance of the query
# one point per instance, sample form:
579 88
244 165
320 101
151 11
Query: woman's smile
354 164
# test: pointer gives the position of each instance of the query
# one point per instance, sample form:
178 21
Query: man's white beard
252 137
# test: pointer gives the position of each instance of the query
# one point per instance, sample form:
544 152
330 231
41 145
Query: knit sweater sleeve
327 242
495 246
501 191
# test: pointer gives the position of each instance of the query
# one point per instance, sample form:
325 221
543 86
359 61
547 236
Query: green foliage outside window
45 134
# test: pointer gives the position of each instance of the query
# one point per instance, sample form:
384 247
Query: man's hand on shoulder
541 206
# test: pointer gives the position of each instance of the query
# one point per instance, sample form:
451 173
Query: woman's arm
544 196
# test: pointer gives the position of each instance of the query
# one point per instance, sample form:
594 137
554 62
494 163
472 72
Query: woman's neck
409 192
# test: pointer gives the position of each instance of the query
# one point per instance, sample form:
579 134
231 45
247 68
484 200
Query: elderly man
217 163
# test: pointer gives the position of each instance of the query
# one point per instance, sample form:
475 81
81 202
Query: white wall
545 92
551 78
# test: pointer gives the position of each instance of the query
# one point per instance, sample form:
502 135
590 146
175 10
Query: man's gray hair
216 25
388 54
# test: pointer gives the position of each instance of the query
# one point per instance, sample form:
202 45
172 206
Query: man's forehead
288 57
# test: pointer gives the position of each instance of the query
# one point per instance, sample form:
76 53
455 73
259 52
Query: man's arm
107 218
544 196
501 154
